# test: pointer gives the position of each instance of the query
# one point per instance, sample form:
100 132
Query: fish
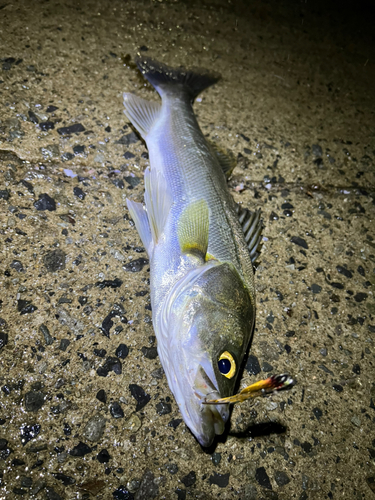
201 246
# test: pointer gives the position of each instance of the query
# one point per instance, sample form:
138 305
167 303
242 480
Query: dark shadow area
257 430
261 429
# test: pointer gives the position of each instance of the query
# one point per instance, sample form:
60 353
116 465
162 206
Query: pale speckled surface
294 76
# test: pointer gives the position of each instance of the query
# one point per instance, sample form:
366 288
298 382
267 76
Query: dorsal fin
225 158
252 227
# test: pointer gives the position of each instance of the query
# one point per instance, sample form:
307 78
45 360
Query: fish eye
227 365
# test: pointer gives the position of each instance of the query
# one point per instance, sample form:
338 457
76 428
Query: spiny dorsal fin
225 158
140 218
141 113
252 227
158 201
193 228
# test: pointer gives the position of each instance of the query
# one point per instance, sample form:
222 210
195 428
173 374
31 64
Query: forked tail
166 79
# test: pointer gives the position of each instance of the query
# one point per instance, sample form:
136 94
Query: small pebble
77 191
80 450
101 396
221 480
94 428
66 480
175 423
356 421
45 202
51 494
150 352
281 478
47 336
171 468
252 365
64 343
122 493
266 367
262 477
189 479
48 125
136 265
34 400
163 408
128 139
317 150
103 457
79 150
132 424
111 364
299 241
148 489
116 410
139 395
216 458
17 265
317 413
26 482
29 432
122 351
72 129
54 260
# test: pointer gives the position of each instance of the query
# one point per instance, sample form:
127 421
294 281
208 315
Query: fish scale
188 175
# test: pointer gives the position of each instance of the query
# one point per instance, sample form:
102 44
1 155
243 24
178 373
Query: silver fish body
202 287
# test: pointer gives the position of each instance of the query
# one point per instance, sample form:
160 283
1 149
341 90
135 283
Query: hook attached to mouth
261 388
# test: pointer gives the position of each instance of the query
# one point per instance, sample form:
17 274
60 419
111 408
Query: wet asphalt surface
85 410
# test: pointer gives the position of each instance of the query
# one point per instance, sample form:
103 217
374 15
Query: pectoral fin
193 228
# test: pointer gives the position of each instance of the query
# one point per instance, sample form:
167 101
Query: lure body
202 287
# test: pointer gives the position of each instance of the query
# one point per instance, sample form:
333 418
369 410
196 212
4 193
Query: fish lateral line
260 388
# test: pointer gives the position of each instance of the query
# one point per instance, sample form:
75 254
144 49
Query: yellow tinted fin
193 228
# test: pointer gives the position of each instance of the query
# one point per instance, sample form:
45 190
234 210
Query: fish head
210 323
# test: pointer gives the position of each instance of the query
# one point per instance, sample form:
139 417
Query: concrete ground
85 410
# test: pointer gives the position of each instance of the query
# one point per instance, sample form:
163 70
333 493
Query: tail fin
164 78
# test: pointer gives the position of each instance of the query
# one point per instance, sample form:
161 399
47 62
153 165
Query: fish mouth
213 417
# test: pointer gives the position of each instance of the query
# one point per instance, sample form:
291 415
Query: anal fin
140 218
252 227
141 113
